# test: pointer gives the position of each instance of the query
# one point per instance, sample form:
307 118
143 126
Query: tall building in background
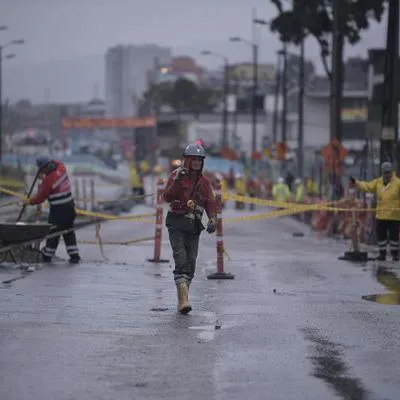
126 75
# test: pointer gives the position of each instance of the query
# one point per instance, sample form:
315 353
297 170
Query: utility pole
225 139
226 84
2 47
337 74
1 104
389 117
300 149
284 93
276 99
255 90
235 112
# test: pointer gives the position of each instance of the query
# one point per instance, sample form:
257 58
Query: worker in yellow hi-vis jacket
136 182
387 192
281 191
240 189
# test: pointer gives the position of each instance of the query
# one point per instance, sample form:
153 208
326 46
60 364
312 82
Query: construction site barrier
350 217
220 273
159 225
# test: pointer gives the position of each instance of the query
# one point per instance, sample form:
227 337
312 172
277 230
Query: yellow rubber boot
183 298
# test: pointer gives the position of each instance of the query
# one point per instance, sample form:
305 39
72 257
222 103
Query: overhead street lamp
14 42
254 48
224 138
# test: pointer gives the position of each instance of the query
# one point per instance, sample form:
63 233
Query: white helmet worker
281 180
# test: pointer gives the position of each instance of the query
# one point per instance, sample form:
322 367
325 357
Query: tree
183 95
314 18
293 67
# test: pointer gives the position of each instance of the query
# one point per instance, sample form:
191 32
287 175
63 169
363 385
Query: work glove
26 200
212 225
181 173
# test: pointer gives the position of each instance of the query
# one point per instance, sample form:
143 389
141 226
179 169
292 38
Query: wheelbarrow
17 234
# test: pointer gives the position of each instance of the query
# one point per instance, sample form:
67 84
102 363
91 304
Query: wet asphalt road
292 325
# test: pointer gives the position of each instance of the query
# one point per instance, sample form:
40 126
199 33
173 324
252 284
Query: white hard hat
297 181
281 180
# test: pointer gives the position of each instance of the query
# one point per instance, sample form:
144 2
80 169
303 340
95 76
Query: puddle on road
391 282
206 333
389 299
329 366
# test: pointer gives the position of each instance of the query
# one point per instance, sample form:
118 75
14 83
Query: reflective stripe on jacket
55 187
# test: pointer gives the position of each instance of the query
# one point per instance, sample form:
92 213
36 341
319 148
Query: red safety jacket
55 187
178 193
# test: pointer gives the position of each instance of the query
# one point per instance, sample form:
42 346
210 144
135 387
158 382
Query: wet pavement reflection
391 282
329 366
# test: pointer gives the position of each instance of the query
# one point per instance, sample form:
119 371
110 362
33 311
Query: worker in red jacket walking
189 193
56 188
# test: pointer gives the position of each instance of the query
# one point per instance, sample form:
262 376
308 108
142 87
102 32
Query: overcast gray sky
62 59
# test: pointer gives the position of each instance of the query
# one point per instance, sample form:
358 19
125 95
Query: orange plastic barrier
159 225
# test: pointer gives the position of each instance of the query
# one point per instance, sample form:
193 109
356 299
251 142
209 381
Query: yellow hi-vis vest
135 181
387 197
281 192
224 186
300 193
240 187
311 187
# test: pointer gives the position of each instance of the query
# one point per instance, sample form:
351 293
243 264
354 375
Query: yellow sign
355 114
244 71
107 123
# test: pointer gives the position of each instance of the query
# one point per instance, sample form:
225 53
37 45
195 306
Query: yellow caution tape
117 243
291 208
272 203
13 183
326 206
129 217
11 192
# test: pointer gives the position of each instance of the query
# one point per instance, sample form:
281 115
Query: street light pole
224 137
254 107
225 140
254 48
284 93
276 99
300 155
1 104
2 47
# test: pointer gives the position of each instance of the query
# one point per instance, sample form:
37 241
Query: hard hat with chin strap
387 166
194 150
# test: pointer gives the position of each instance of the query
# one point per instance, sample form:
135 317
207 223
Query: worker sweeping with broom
56 189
